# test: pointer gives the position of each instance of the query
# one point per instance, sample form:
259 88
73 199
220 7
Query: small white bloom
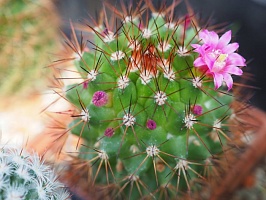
147 33
85 115
92 75
109 37
169 74
103 155
189 121
197 82
182 164
118 55
123 82
182 51
152 151
145 77
160 98
129 120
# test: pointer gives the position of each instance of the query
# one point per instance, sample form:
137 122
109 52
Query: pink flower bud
109 132
99 98
151 124
197 110
85 84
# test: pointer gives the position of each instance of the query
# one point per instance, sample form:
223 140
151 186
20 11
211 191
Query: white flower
118 55
147 33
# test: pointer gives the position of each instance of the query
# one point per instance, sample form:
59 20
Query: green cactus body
149 119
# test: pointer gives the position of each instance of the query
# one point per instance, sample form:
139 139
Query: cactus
154 101
26 176
25 44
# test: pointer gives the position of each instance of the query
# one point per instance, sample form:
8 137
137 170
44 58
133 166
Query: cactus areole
154 90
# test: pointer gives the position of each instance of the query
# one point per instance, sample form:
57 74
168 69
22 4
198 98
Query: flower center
220 60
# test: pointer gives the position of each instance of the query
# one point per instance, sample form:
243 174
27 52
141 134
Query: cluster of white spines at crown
25 176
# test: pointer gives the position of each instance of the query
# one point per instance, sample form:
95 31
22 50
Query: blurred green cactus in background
153 101
28 35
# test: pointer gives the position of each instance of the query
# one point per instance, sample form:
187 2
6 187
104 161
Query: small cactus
153 106
26 176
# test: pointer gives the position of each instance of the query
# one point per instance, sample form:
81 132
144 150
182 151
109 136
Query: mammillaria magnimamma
153 109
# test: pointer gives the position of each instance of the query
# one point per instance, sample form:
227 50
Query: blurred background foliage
28 36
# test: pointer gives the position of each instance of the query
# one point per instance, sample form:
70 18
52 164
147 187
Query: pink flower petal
199 62
209 60
236 59
224 40
228 80
232 69
218 80
196 46
230 48
209 37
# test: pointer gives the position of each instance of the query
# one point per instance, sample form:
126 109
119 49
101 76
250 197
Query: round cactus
154 101
25 176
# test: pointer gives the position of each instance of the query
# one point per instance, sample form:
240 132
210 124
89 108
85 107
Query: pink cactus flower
218 58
